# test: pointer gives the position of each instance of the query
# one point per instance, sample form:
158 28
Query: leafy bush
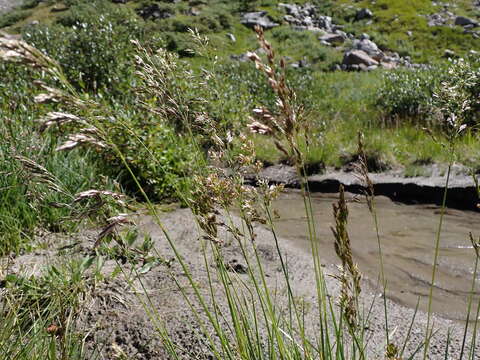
459 93
92 43
158 156
242 88
408 94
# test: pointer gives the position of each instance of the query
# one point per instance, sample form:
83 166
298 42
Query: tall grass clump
40 313
31 168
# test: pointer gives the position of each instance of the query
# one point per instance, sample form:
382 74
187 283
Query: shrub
459 92
92 43
407 94
159 156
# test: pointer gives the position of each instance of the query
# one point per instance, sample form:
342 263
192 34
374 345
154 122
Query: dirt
116 315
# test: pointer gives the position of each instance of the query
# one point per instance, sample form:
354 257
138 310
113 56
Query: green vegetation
107 113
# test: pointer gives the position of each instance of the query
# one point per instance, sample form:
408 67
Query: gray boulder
363 14
464 21
368 46
154 12
257 18
358 57
292 9
338 38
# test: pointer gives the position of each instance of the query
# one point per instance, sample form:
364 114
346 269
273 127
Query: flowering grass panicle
350 276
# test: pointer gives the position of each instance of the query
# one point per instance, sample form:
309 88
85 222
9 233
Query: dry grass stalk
82 138
350 276
475 244
59 119
113 223
160 91
285 123
361 171
392 352
18 51
39 175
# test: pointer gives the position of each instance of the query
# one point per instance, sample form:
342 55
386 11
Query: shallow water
407 234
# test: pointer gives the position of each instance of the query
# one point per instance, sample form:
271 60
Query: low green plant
40 313
13 17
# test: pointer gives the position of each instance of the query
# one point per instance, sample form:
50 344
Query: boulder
292 9
333 38
369 47
257 18
154 12
449 54
363 14
299 64
464 21
357 57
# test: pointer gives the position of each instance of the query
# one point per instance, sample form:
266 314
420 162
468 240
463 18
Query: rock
281 174
194 11
364 36
292 9
291 19
388 65
324 22
357 57
237 267
299 64
154 12
363 14
59 8
409 33
258 18
240 58
369 47
306 18
449 54
338 38
444 18
464 21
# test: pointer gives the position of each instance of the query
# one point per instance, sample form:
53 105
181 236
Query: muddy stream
407 234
